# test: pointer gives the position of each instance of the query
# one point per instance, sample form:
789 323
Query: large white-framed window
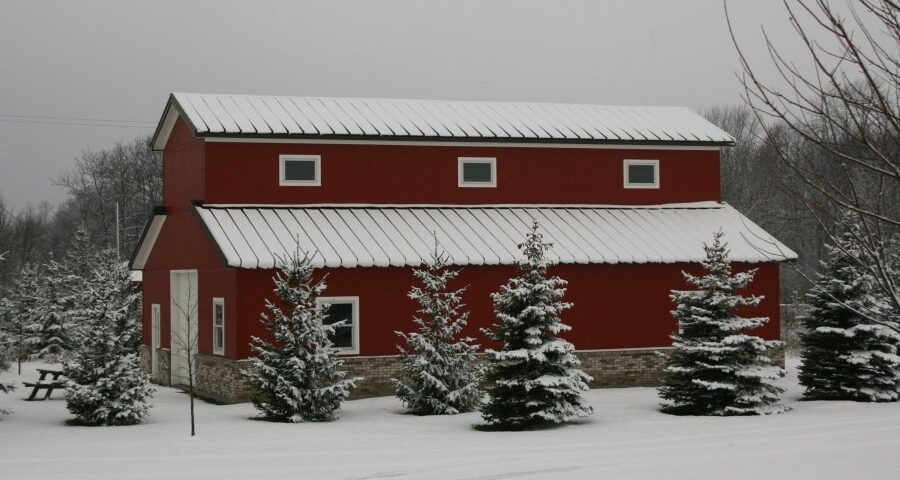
218 317
155 314
477 172
299 170
346 310
641 173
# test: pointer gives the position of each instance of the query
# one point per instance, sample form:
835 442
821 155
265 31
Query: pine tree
715 367
441 374
534 378
844 355
105 383
4 361
17 311
298 376
49 327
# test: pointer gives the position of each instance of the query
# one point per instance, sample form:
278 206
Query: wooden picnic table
44 384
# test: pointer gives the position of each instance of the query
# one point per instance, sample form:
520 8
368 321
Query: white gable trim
142 254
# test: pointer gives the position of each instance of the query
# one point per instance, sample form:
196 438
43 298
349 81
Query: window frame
218 350
629 162
459 172
353 349
284 182
155 337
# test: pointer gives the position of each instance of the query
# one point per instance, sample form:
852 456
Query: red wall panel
616 306
248 173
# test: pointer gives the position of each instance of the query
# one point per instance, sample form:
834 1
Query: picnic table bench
43 384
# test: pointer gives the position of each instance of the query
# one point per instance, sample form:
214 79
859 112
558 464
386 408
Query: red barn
628 196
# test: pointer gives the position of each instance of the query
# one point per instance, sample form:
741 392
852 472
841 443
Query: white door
183 285
154 339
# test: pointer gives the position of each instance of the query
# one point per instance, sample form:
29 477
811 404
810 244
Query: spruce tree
441 374
715 367
4 361
846 356
49 327
534 378
105 382
17 310
298 375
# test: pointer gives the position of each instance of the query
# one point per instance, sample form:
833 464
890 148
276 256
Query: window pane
477 172
218 315
642 174
220 337
343 335
300 170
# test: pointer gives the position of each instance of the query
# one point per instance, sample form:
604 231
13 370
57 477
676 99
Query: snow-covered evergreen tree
715 367
846 356
298 375
4 360
105 382
441 374
534 379
17 311
49 326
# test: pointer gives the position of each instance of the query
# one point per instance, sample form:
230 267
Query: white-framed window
641 173
218 317
300 170
477 172
154 338
346 310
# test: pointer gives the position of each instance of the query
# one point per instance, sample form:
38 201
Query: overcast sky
118 60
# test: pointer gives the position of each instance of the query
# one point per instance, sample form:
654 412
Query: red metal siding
248 173
182 245
616 306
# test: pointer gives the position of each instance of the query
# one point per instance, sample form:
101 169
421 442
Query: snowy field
626 438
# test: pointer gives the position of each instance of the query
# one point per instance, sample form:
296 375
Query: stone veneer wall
162 359
219 379
144 359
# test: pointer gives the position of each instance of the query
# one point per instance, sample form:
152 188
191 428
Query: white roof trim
142 254
382 236
285 117
166 125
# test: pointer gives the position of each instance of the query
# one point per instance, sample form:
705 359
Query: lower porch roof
258 236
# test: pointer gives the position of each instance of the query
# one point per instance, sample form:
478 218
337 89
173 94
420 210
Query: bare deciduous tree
186 340
844 114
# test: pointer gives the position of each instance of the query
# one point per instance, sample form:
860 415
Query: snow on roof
215 115
364 236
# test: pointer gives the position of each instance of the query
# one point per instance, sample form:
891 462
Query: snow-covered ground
626 438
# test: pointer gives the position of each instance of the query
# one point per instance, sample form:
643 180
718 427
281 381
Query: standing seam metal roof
220 115
381 236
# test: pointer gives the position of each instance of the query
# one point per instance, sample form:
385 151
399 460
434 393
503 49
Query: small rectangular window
300 170
641 173
477 172
218 326
346 310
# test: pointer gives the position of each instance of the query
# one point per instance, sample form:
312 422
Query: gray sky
118 60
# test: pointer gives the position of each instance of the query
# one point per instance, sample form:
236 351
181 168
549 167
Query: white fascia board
146 246
417 143
165 128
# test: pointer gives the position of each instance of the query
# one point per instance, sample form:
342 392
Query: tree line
129 175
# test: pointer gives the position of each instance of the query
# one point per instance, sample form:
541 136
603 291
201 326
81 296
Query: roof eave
167 123
422 139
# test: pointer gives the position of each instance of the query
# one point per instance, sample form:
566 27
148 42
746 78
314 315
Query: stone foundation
162 360
219 379
144 360
623 368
